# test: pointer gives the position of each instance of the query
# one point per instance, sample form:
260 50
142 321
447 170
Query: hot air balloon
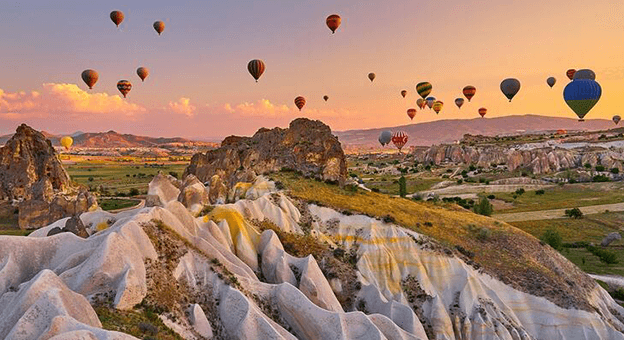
459 102
371 76
67 142
117 17
385 137
256 67
124 87
616 119
551 81
562 132
482 111
411 113
430 101
570 73
300 102
424 89
581 95
421 103
325 97
404 93
399 139
510 87
584 74
469 91
159 26
333 22
90 77
142 72
437 106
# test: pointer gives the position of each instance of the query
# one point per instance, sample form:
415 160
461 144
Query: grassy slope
505 252
114 204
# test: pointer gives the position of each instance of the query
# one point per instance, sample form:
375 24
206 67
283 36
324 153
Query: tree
574 213
134 192
402 186
552 238
484 207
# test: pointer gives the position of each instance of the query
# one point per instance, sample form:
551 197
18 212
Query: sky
199 86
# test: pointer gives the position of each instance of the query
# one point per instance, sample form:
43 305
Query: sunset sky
199 85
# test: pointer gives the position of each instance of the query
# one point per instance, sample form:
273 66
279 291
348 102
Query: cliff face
34 178
539 160
306 146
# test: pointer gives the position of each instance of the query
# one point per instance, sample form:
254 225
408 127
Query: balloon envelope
256 67
430 101
411 113
570 73
581 95
117 17
300 102
404 93
616 119
333 22
424 89
399 139
584 74
469 91
385 137
67 142
482 112
459 102
437 106
124 87
142 72
421 103
159 26
510 87
551 81
325 97
371 76
90 77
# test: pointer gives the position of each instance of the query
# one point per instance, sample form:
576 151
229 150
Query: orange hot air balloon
300 102
437 106
256 67
333 22
469 91
570 73
124 87
117 17
159 26
421 103
411 113
142 72
404 93
561 132
90 77
482 111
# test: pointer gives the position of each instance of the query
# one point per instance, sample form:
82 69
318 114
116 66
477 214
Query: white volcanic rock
161 191
200 322
193 194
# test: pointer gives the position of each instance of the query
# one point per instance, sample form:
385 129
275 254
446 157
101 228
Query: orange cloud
183 106
261 108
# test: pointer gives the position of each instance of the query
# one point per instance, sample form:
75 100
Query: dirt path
556 213
141 204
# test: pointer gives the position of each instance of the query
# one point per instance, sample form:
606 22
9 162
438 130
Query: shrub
600 168
615 171
481 180
134 192
428 167
472 167
484 234
574 213
520 191
552 238
460 181
173 173
491 197
375 189
601 178
402 186
604 255
540 192
587 166
389 219
484 207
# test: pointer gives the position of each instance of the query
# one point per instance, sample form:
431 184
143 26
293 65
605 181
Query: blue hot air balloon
581 95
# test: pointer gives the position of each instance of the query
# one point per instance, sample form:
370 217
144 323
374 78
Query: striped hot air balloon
430 101
333 22
411 113
581 95
399 139
437 106
421 103
424 89
124 87
300 102
256 67
469 92
482 112
570 73
459 102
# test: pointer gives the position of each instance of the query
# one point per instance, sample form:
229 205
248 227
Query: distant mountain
448 131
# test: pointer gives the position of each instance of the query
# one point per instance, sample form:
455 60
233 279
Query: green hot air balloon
510 87
424 89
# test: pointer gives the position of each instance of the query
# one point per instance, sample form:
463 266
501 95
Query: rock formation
614 236
306 146
33 179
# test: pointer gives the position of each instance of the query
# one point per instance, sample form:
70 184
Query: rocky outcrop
539 159
306 146
33 178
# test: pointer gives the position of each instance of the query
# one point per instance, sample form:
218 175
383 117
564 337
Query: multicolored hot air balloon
421 103
67 142
371 76
459 102
469 92
142 72
159 26
430 101
437 106
404 93
325 97
581 95
570 73
256 67
399 139
333 22
124 87
300 102
90 77
482 112
411 113
551 81
584 74
510 87
424 89
117 17
616 119
385 137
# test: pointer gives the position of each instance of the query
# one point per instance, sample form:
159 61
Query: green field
389 184
114 204
15 232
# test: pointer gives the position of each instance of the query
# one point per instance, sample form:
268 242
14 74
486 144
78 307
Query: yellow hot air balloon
67 142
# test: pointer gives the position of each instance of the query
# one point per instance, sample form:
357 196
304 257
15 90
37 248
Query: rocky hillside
33 179
306 146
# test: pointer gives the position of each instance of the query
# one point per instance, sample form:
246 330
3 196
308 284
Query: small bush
552 238
484 207
604 255
460 181
134 192
173 173
615 171
600 168
484 234
491 197
574 213
587 166
540 192
601 178
472 167
389 219
520 191
90 179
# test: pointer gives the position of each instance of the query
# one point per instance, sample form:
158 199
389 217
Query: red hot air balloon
399 139
482 111
300 102
90 77
403 93
333 22
469 91
124 87
411 113
570 73
117 17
